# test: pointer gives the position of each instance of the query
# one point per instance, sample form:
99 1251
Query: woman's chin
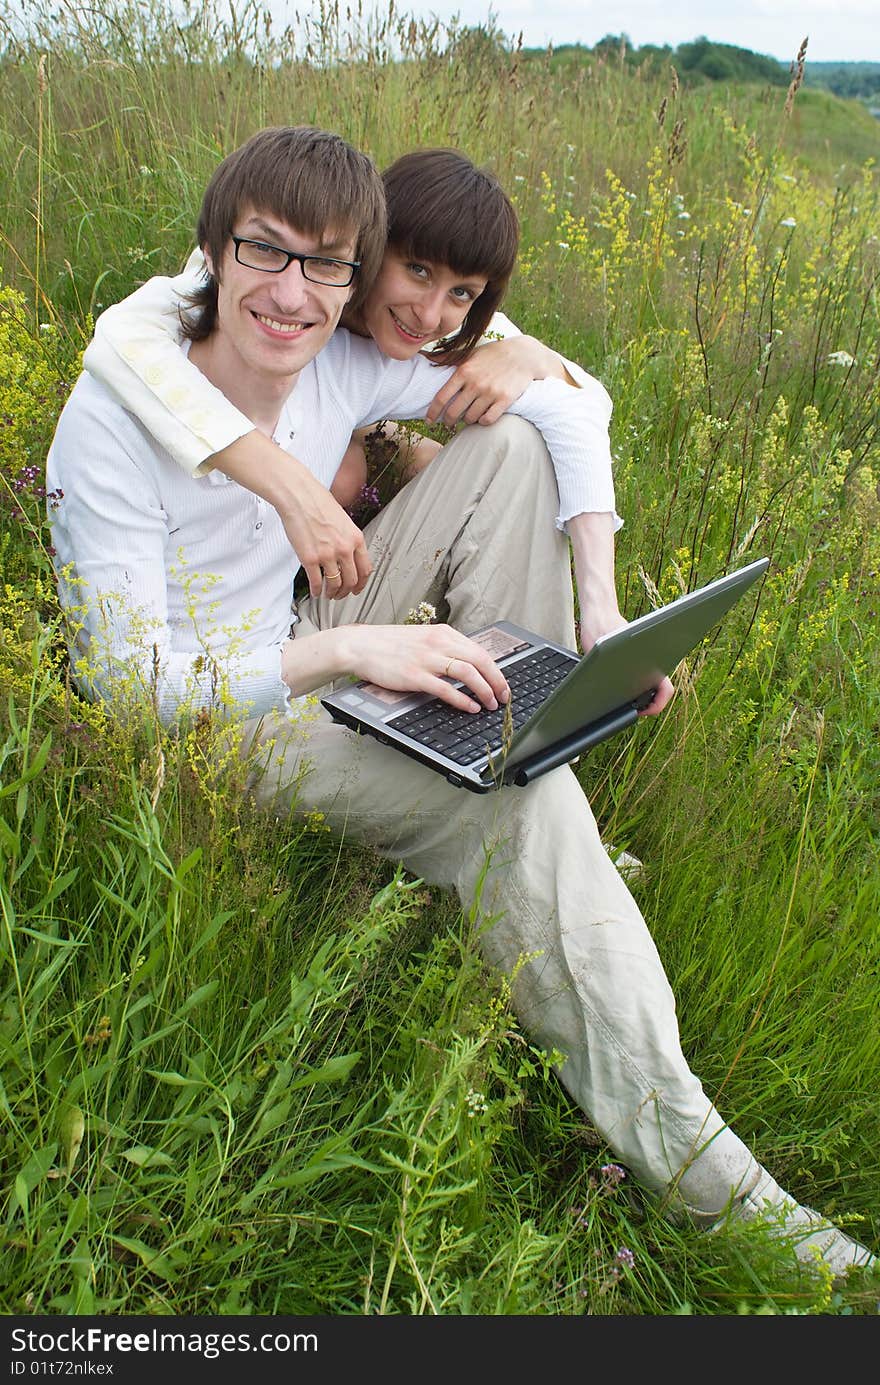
390 344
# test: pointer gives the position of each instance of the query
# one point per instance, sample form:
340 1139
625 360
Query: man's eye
325 264
268 251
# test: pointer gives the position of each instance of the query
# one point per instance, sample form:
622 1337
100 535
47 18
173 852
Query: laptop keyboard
467 736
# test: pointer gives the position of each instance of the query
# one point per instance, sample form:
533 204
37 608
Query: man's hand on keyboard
424 658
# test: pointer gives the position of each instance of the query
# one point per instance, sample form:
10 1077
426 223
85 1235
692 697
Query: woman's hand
592 541
598 619
486 384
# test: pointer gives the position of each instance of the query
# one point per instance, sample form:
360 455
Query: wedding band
334 576
448 667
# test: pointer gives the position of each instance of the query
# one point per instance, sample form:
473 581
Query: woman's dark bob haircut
442 208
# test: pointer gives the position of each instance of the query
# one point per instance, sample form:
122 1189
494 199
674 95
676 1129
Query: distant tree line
860 81
705 61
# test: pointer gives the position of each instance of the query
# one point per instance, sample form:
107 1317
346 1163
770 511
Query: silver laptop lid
626 664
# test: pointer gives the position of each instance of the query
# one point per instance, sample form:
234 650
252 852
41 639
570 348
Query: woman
452 243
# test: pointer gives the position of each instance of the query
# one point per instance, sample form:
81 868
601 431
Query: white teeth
416 336
280 326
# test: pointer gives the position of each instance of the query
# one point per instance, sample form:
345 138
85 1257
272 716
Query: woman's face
413 302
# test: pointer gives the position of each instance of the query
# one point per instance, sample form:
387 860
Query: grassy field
246 1068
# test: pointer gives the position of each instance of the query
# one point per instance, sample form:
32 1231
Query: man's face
274 324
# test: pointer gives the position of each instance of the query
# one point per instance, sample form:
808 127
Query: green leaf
151 1260
198 996
38 763
175 1079
271 1119
59 886
146 1157
189 863
9 840
72 1128
79 1211
335 1070
81 1261
33 1172
47 938
212 929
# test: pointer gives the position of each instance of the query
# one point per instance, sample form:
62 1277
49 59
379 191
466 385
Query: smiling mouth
407 331
285 327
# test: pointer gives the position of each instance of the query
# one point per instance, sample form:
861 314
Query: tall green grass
248 1068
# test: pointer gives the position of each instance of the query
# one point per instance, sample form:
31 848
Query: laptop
561 703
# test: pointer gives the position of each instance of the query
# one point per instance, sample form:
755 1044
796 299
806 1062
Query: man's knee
512 445
516 434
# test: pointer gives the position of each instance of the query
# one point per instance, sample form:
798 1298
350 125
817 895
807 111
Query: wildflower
563 244
684 216
100 1035
840 358
625 1258
370 496
613 1174
368 500
788 221
476 1103
423 614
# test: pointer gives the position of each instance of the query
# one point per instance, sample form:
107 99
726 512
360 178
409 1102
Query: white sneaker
630 866
812 1237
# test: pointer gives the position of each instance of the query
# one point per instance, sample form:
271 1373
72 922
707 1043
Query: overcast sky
838 30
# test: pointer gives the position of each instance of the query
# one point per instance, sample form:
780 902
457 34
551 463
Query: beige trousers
474 534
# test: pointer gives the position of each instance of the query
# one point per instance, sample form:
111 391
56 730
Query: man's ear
209 262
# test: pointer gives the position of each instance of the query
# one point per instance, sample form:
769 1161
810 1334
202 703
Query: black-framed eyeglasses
256 254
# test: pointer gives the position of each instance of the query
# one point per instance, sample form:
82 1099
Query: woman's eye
463 295
419 270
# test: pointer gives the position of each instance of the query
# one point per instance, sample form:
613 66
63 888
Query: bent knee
515 432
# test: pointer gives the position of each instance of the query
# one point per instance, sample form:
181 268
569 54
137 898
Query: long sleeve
573 423
501 327
133 634
136 353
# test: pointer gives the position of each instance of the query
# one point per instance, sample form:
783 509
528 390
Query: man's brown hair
310 178
442 207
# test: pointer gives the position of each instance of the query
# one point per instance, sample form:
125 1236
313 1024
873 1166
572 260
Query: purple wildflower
613 1174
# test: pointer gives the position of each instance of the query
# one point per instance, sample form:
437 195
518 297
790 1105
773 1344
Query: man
183 590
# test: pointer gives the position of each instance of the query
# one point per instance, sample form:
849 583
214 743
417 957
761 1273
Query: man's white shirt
185 583
136 348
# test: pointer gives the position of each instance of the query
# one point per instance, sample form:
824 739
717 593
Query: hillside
701 60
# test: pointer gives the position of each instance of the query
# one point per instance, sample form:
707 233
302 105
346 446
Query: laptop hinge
572 746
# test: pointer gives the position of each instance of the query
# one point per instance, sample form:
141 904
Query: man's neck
260 397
